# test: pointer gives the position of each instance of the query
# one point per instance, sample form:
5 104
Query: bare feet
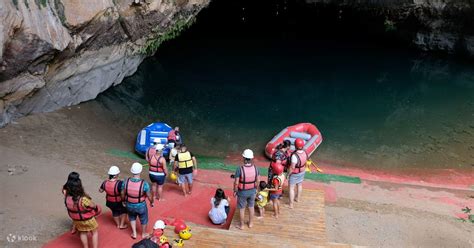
275 215
250 225
240 227
189 192
259 217
134 236
290 206
296 200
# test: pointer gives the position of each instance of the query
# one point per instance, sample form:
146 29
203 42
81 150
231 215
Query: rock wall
56 53
445 26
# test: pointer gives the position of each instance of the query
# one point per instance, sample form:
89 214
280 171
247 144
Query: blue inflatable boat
146 136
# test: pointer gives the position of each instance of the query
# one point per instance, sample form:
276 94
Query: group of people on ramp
249 189
127 198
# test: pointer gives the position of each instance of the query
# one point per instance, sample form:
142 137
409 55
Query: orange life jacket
302 158
134 191
112 191
155 164
172 135
248 177
76 211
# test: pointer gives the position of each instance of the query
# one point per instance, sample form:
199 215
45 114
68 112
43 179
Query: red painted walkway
192 209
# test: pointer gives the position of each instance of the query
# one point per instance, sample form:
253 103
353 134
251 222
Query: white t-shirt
173 154
218 214
294 158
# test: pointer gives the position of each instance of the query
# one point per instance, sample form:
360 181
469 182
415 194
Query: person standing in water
82 211
186 164
296 171
245 187
157 171
113 188
134 192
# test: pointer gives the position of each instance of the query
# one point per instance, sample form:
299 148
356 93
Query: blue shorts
246 198
160 180
139 210
182 178
275 196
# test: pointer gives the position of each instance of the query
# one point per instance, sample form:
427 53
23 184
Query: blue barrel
146 136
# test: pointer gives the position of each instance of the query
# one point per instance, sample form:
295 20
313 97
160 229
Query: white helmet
136 168
159 147
247 154
159 224
156 140
114 170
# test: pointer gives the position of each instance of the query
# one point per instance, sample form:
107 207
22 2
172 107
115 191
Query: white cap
114 170
156 140
159 224
136 168
159 147
247 154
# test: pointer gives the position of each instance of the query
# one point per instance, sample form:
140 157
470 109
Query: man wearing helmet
297 171
245 187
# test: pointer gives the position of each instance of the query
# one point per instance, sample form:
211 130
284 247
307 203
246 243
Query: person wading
186 164
297 171
245 187
134 192
157 170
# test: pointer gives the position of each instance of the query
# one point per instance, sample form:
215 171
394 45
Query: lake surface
377 105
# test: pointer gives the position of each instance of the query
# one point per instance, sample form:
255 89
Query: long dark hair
285 144
74 187
71 177
220 194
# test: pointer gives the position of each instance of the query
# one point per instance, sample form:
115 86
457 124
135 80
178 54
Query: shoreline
79 138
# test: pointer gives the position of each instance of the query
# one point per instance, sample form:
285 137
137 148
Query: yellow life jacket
264 200
185 160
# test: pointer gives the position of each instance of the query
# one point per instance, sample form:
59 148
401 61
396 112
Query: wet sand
388 209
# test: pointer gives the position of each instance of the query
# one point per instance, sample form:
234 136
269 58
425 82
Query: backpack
145 243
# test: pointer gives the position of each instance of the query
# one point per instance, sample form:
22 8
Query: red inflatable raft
307 131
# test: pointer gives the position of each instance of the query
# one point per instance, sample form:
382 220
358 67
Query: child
220 207
262 198
277 190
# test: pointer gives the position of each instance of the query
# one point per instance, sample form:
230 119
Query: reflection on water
374 106
371 110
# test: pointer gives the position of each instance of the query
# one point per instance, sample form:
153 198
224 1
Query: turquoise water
375 106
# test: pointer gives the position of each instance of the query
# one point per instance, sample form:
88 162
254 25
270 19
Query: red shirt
276 184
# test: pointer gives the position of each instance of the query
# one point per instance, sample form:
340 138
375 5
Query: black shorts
117 208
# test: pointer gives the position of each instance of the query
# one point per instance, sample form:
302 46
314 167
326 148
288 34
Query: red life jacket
76 211
300 165
112 191
248 177
134 191
155 164
172 135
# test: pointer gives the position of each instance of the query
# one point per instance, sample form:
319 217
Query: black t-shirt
184 170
